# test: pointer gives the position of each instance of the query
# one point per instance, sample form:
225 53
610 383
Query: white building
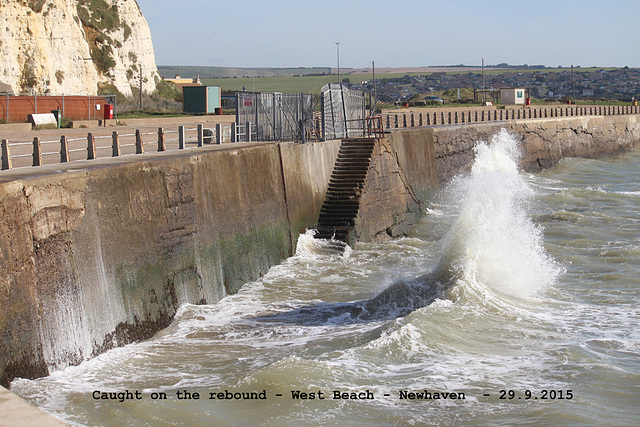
513 95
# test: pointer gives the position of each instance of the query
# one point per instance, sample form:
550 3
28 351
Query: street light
338 55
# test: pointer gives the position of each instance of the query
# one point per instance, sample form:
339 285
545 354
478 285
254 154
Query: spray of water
493 241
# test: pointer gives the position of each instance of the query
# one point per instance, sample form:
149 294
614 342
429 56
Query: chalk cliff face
75 47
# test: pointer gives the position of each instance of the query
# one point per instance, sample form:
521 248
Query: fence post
396 123
218 133
200 135
404 120
6 155
248 131
91 147
37 153
234 132
388 121
64 149
413 121
181 137
420 120
115 144
161 144
139 144
428 119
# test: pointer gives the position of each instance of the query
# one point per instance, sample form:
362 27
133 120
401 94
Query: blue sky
394 33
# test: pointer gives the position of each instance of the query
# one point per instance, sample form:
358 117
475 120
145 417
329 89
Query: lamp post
338 55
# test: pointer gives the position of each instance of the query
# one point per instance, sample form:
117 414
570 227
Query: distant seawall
99 257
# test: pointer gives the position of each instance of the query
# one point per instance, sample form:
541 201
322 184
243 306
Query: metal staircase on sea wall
341 205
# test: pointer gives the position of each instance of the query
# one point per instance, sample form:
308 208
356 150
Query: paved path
15 411
21 142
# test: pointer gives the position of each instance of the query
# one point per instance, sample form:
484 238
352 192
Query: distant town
620 84
450 83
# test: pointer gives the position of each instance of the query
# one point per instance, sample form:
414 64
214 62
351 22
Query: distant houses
551 84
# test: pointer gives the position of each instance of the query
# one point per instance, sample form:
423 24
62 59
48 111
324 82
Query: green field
306 84
313 84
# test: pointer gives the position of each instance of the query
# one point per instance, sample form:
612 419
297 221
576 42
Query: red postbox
108 111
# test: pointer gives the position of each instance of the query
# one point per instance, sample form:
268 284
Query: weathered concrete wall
99 257
102 257
544 141
388 205
415 152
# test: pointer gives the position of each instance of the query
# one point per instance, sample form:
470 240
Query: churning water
513 302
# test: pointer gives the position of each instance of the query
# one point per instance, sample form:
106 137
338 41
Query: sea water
514 301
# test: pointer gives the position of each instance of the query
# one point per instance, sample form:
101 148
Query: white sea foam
493 240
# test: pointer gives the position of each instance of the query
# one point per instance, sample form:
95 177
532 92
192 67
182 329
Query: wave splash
493 242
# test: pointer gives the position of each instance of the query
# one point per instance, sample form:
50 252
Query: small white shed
513 95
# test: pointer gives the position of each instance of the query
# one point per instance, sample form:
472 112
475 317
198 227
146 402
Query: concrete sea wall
99 257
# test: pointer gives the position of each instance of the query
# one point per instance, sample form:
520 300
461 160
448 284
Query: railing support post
200 135
248 131
37 152
161 144
6 155
64 149
139 144
234 132
181 137
218 133
115 144
91 147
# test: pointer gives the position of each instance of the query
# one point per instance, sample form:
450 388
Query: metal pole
161 144
139 143
338 55
181 137
573 85
91 147
483 93
64 149
115 140
375 89
37 152
6 155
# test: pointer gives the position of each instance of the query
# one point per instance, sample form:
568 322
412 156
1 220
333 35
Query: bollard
6 155
200 135
218 133
91 147
161 144
181 137
115 144
139 144
64 149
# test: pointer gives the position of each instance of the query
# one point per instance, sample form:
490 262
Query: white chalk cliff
75 47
